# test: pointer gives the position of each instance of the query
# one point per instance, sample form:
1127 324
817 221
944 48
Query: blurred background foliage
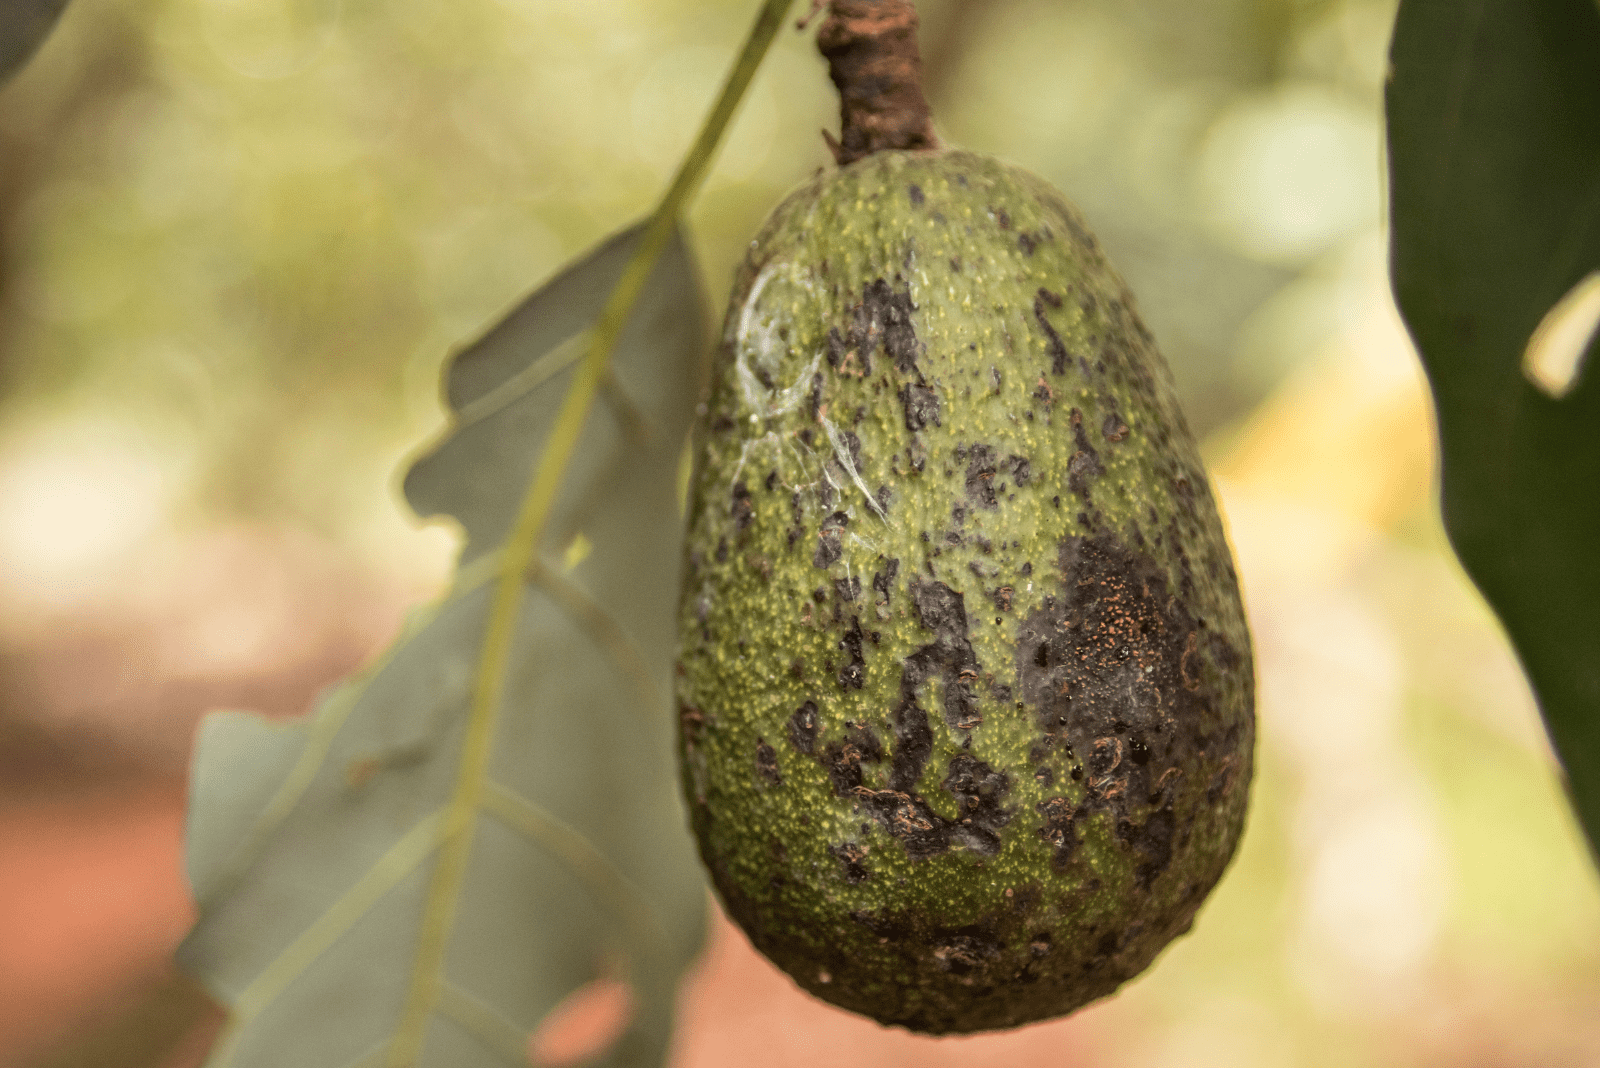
237 238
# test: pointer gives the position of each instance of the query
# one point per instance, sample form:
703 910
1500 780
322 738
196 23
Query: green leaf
505 404
1494 152
312 846
24 24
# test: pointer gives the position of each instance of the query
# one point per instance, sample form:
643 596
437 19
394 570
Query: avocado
964 685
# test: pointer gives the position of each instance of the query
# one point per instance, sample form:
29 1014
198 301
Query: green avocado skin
964 684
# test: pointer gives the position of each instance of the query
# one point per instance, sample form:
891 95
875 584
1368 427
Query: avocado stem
871 48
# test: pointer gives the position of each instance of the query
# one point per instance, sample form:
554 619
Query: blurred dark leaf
1494 151
311 844
24 24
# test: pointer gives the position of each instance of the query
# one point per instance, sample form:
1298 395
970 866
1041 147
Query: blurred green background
238 237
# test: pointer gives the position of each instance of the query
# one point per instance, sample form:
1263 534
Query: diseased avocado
964 683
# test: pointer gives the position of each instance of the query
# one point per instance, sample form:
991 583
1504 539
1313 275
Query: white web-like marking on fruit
761 339
842 453
770 436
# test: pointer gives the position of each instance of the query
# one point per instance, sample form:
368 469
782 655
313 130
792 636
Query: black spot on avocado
1084 466
949 657
978 790
981 469
1059 830
848 589
851 855
829 536
974 953
1114 429
920 831
803 728
921 405
842 762
913 744
865 742
853 673
883 581
767 763
884 315
1021 470
742 509
915 192
852 446
836 348
1053 343
1152 840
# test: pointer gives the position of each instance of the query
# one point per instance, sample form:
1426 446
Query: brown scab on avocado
1114 429
1102 667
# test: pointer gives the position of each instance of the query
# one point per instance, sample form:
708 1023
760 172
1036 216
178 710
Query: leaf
312 845
24 24
504 403
1494 151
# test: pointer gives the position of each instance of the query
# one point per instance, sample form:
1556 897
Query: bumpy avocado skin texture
965 689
